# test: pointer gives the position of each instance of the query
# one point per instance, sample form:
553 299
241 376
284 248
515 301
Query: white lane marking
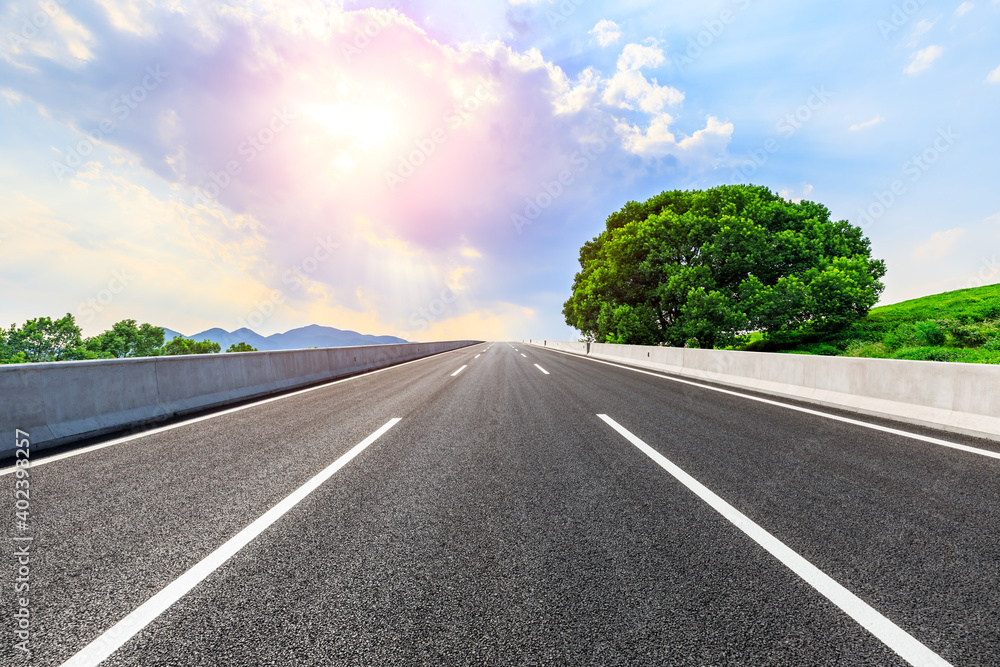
524 355
153 431
888 632
846 420
541 369
113 638
476 357
459 370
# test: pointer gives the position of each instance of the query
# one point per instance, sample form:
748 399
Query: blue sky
883 111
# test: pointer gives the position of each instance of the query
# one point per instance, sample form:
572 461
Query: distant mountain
296 339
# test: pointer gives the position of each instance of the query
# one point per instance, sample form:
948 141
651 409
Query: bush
867 350
929 333
968 335
820 348
901 336
927 353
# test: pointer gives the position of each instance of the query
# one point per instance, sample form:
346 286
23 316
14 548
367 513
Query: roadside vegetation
45 339
739 267
716 268
963 326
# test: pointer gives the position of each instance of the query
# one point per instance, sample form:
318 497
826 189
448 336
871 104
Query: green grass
960 326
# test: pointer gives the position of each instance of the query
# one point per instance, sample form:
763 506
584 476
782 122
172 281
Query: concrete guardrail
62 402
962 398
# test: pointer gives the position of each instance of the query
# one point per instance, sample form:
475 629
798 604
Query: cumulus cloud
704 146
276 136
923 59
606 32
994 76
639 56
629 88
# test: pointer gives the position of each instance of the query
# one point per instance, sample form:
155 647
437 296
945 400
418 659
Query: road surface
510 505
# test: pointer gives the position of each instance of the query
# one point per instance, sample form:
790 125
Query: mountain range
313 335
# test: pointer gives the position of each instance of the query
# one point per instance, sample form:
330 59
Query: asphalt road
501 521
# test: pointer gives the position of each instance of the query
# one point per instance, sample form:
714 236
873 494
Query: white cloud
923 59
923 26
62 39
637 56
789 193
706 146
868 123
629 89
573 99
129 15
994 76
607 32
939 245
964 9
626 88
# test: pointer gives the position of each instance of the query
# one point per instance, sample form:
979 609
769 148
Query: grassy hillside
963 325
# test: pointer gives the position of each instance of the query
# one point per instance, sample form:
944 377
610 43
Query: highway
510 505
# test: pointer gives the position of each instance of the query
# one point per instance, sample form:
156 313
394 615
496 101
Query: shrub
867 350
927 353
820 348
902 336
929 333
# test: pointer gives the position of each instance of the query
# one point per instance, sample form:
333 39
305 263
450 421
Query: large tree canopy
709 267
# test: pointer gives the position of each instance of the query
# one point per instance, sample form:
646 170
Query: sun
362 129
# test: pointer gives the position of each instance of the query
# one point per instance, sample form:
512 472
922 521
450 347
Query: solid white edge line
459 370
195 420
113 638
541 369
885 630
827 415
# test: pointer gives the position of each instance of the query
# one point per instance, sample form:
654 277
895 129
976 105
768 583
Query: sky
430 169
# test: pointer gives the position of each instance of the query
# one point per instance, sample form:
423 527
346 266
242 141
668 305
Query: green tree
125 339
43 339
241 347
718 264
180 345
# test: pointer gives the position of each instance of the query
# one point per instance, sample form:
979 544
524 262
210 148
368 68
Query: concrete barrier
61 402
962 398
